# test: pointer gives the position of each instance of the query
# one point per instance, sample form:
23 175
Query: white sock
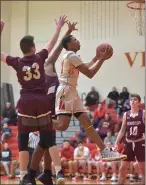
103 175
57 169
22 174
114 175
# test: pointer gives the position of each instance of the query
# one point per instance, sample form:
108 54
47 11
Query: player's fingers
64 17
75 23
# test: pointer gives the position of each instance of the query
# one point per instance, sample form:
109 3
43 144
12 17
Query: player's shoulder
68 54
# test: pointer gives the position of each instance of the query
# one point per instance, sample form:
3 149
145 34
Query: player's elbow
89 74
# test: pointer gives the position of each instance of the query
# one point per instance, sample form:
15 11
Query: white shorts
68 100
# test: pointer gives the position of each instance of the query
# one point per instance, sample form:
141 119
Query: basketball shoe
108 154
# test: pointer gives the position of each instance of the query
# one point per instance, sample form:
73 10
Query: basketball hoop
137 9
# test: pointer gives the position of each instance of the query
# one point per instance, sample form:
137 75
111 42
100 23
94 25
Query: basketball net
137 10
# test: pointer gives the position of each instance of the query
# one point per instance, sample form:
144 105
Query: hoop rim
129 5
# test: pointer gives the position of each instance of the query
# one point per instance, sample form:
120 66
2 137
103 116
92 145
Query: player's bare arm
122 131
91 68
91 71
53 58
107 51
59 25
2 25
3 55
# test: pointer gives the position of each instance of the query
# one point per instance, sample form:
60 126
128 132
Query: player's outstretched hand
2 25
61 21
72 26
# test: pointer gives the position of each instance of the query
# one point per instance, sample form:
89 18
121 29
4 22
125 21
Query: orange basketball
104 49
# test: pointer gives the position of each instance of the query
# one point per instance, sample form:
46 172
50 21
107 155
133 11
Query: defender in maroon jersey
133 127
33 105
52 83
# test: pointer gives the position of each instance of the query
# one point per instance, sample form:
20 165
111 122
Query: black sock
48 171
32 173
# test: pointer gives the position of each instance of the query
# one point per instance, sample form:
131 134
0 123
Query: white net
137 11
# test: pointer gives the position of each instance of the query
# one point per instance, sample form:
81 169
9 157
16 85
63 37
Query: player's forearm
95 67
119 137
53 41
92 62
53 58
2 26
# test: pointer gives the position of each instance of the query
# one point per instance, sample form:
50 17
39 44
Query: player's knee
70 163
62 126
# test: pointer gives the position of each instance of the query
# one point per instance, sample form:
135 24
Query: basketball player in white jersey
68 102
133 129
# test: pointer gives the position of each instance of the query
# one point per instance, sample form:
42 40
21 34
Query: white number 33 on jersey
29 75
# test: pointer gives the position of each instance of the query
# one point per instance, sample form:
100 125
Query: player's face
66 145
74 44
134 102
81 147
6 146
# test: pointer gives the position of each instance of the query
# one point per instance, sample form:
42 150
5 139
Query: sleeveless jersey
135 127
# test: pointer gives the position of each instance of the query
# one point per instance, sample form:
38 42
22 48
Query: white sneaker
103 178
86 179
114 178
74 178
131 179
109 155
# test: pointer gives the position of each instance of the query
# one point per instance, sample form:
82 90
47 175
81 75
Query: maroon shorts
135 150
33 113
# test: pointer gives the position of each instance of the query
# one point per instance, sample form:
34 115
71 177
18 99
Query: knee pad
47 140
23 142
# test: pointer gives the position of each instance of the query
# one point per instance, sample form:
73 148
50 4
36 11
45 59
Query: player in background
133 129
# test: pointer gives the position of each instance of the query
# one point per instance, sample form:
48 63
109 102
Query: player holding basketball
133 127
33 105
68 102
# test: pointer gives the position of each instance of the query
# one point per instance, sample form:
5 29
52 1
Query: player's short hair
64 141
79 142
66 40
26 43
136 96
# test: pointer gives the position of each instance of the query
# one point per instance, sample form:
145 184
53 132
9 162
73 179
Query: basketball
105 50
